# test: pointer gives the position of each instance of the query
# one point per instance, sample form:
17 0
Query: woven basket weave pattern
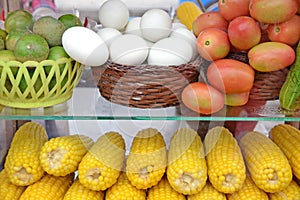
38 84
146 86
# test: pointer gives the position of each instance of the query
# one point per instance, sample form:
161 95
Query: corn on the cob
187 12
287 138
9 191
267 165
78 192
61 155
292 192
225 163
49 187
123 190
163 190
186 169
147 159
22 161
100 168
207 193
249 191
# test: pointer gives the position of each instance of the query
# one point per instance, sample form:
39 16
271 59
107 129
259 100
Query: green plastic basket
38 84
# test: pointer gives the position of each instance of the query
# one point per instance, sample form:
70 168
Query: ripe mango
275 11
271 56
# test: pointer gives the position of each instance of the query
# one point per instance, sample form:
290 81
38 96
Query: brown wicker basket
146 86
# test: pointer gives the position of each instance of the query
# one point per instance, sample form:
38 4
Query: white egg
113 14
133 26
176 25
170 51
129 49
85 46
108 34
189 36
155 24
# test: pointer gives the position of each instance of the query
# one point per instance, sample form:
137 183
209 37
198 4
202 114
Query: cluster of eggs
152 39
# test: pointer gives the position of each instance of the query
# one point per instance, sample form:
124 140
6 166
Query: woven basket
146 86
38 84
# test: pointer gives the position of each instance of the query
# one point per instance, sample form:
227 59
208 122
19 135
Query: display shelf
87 104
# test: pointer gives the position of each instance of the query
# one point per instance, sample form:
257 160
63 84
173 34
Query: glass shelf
87 104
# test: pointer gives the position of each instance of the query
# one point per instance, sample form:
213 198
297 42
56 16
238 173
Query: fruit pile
268 32
26 39
220 167
29 39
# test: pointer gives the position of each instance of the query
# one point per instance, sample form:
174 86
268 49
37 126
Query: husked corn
147 159
287 138
61 155
249 191
23 159
164 191
100 168
269 168
207 193
49 187
123 190
292 192
78 192
225 163
186 170
187 12
9 191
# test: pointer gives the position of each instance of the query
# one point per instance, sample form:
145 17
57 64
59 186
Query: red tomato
230 76
213 44
231 9
202 98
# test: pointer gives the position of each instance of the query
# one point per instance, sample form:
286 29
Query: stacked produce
28 39
255 166
267 32
32 40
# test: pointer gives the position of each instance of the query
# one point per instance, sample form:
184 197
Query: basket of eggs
149 63
35 70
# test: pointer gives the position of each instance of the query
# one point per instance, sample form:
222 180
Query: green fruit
31 47
70 20
7 55
51 29
3 34
37 84
13 37
18 19
56 53
2 44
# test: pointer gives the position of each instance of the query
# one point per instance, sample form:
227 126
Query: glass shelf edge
145 118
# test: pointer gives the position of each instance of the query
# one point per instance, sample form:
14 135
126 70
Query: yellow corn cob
22 161
9 191
61 155
226 167
78 192
101 166
267 165
49 187
147 159
124 190
207 193
163 190
249 191
187 12
292 192
186 170
287 138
